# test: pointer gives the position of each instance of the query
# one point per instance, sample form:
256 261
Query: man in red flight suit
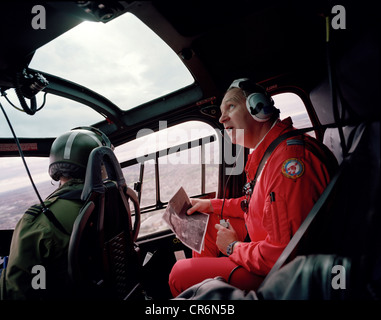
293 178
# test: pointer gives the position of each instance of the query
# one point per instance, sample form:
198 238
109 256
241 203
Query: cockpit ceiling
260 39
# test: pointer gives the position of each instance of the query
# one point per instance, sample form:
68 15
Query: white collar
263 138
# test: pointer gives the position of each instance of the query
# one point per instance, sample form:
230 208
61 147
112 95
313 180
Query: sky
126 67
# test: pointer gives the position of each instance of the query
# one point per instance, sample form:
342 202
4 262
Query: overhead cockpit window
123 60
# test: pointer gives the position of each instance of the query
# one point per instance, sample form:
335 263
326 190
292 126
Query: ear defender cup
258 102
260 106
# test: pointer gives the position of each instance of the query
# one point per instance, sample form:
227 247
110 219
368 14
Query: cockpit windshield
123 60
90 52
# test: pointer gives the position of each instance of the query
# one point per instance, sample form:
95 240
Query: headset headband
248 86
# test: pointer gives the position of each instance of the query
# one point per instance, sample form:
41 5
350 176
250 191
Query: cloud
128 68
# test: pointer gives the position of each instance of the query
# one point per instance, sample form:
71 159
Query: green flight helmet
70 152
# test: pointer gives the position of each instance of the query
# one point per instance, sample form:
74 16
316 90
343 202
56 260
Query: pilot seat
104 261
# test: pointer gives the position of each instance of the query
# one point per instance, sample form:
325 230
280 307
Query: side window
41 124
291 105
157 164
16 191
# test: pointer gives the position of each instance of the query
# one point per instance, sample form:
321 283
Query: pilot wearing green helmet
41 239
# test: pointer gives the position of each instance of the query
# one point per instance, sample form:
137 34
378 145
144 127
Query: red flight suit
293 178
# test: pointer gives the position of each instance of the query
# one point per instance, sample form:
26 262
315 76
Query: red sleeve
232 207
258 257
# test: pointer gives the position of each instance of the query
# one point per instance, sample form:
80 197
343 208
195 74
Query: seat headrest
101 157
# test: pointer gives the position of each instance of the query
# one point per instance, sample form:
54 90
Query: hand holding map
190 229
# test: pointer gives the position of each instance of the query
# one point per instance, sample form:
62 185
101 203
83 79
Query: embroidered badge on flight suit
293 168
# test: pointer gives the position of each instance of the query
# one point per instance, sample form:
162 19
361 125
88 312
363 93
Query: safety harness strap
249 187
273 146
37 209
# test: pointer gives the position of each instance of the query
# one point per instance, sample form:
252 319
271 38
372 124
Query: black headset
258 102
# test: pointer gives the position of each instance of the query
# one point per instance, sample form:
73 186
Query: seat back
346 219
103 258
